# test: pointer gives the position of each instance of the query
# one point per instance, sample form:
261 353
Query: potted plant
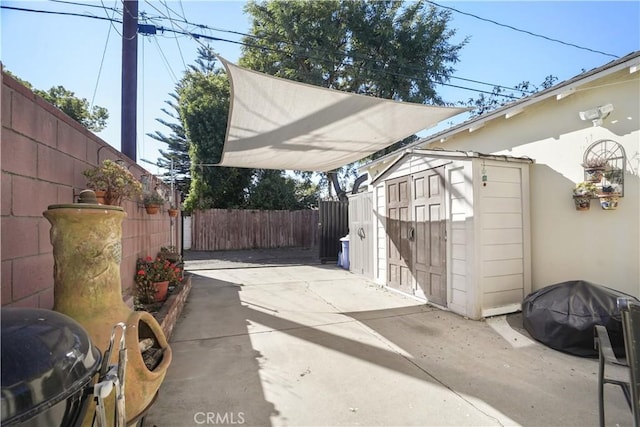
152 201
594 168
583 192
153 277
113 183
173 211
170 253
609 197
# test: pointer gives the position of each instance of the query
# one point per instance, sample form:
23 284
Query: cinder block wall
43 155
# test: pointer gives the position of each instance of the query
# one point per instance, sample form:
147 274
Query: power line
197 38
104 52
85 5
523 31
112 25
354 56
176 38
24 9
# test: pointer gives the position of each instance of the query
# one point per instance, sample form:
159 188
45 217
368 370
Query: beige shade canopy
281 124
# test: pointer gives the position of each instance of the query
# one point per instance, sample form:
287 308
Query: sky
84 54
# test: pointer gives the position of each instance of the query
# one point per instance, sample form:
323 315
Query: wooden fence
230 229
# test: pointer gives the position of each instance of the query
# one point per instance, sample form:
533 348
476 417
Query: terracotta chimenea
87 250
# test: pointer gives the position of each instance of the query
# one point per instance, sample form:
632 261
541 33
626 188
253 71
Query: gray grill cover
563 316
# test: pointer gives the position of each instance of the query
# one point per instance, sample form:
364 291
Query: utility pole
128 130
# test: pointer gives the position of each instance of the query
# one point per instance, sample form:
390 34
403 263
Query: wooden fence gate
334 224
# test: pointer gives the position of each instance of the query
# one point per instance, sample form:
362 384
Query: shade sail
280 124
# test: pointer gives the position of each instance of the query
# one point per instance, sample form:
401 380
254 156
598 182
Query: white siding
380 265
551 132
458 257
501 236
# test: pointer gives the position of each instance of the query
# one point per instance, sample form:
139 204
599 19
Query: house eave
560 91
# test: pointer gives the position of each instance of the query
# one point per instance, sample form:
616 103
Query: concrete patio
274 338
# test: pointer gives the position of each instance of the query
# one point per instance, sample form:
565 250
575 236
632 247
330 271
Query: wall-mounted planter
593 174
173 212
583 203
609 202
152 209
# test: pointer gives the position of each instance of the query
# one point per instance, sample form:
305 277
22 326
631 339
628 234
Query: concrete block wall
43 155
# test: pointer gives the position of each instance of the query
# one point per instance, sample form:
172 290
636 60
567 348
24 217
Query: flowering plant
150 271
156 270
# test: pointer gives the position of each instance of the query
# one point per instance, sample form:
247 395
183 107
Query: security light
597 115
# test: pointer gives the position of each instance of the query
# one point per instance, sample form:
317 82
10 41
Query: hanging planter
583 192
609 198
593 174
152 209
173 212
583 203
594 169
152 202
609 201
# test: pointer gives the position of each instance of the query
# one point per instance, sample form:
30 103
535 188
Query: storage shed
453 228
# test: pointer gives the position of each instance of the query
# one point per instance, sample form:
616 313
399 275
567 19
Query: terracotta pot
87 250
152 209
161 290
100 196
173 212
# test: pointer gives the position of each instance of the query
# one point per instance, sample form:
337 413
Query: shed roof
447 154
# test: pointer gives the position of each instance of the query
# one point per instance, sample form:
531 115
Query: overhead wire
104 53
197 36
112 25
176 38
523 31
356 56
84 4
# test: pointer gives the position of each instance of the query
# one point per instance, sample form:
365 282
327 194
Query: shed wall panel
502 283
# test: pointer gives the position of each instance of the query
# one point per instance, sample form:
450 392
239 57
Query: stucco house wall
43 155
597 245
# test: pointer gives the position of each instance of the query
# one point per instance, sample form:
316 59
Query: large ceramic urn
87 251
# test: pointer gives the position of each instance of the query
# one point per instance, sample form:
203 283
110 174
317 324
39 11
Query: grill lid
46 358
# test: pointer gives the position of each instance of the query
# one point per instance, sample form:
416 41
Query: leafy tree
499 96
93 118
203 105
177 147
274 191
177 142
387 49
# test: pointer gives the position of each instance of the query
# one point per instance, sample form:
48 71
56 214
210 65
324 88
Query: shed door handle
361 233
412 233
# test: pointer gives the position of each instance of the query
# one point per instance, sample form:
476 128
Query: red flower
141 272
148 259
